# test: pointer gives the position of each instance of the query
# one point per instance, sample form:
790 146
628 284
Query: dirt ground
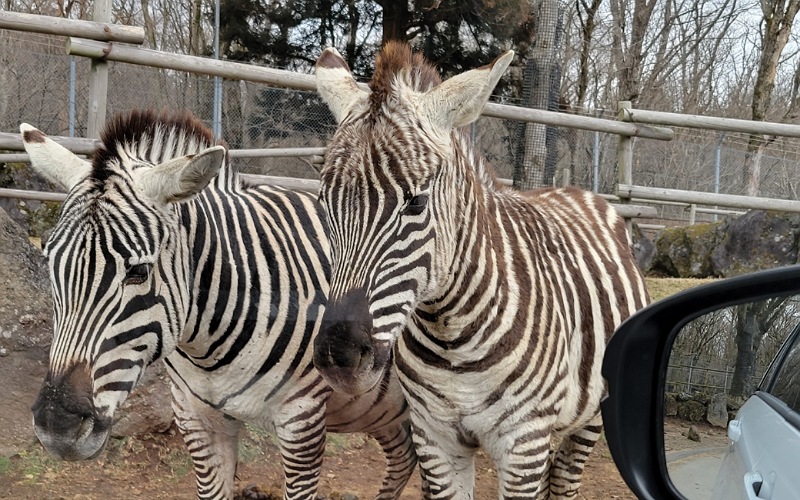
158 467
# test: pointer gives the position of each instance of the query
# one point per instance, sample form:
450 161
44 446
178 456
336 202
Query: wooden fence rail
282 78
33 23
700 198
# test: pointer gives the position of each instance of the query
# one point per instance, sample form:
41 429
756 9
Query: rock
685 252
757 240
26 305
342 496
148 408
691 411
254 492
643 249
670 405
717 412
692 434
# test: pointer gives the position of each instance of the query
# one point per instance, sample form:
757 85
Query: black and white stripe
497 304
228 286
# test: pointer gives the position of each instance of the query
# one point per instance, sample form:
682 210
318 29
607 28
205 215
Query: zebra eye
416 205
137 274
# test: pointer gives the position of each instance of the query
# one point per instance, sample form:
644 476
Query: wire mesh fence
36 79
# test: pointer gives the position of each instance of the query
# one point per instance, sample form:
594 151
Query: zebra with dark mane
497 304
160 254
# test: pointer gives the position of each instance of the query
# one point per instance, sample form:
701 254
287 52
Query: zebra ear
55 162
460 100
180 179
336 84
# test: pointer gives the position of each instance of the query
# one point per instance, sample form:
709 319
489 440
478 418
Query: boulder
26 306
670 405
717 412
685 252
692 411
692 434
757 240
643 249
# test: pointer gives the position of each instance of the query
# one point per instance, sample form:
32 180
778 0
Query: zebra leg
523 459
300 430
213 442
398 447
446 461
570 459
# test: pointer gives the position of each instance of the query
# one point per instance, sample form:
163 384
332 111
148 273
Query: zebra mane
397 61
152 137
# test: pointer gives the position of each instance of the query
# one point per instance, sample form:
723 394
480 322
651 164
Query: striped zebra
496 304
160 253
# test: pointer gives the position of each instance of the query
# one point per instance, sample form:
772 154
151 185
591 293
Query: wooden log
282 78
77 145
193 64
80 145
713 199
575 121
709 122
71 27
632 211
21 194
276 152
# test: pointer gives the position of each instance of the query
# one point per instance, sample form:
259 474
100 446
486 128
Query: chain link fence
36 77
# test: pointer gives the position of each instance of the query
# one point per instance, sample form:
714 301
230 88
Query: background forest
728 58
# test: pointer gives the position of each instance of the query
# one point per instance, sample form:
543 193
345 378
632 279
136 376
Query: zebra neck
468 276
217 270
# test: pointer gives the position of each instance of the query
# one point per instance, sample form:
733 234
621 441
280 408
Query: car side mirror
676 373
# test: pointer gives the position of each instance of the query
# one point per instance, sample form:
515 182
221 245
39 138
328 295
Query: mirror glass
716 423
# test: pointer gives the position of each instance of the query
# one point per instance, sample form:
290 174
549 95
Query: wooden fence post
98 78
625 162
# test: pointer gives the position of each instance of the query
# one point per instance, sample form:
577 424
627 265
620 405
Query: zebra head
389 187
119 281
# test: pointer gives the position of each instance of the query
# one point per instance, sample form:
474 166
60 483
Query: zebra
159 252
497 304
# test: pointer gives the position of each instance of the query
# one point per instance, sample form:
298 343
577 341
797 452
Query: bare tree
628 44
753 320
776 25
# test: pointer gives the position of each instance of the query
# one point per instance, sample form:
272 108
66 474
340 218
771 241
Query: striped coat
496 304
160 254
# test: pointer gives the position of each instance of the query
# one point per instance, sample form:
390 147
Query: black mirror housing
635 366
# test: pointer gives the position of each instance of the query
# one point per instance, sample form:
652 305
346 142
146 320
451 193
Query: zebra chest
240 389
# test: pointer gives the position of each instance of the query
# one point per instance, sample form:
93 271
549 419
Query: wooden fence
102 42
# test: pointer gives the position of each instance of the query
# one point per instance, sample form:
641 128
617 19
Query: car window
786 385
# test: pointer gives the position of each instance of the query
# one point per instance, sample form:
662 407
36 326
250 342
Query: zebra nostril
85 429
367 360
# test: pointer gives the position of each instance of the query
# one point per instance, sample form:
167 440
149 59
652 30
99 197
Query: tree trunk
777 25
588 26
753 320
628 48
536 161
745 367
396 18
195 28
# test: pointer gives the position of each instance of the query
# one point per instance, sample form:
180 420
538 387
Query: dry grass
660 288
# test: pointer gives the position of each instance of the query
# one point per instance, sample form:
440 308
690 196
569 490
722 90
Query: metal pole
217 112
596 163
716 165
